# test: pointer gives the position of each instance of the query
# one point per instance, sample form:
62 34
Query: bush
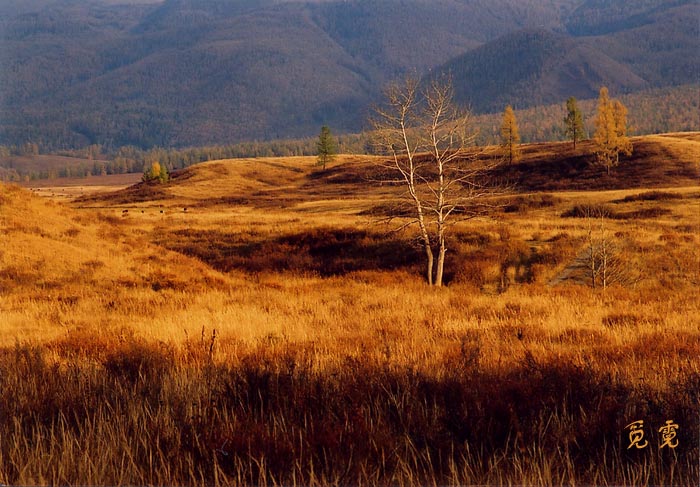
650 196
531 202
588 210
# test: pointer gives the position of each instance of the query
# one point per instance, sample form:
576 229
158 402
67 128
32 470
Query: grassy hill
253 321
669 160
267 188
70 264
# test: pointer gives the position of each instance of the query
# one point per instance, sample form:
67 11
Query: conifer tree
574 121
510 136
611 131
163 175
325 146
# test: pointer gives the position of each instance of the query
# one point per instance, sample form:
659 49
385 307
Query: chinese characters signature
636 435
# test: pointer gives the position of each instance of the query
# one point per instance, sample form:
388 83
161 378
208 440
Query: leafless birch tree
604 263
430 143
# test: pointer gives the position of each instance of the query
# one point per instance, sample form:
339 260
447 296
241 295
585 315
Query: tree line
652 112
98 160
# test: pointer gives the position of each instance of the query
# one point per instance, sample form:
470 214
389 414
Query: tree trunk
429 258
604 250
424 233
591 248
440 264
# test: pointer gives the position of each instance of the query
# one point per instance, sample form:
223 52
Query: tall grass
138 413
297 345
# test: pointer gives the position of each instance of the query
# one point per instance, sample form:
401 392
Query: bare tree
432 153
604 255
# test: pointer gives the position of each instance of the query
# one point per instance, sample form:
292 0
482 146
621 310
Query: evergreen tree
611 131
326 147
574 121
510 136
163 175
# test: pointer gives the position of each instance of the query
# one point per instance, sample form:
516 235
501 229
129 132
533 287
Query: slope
66 267
352 183
598 17
185 72
534 67
191 73
669 160
661 46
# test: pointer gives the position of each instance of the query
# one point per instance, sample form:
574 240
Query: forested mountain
196 72
535 67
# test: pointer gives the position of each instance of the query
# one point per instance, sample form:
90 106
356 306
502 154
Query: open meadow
263 322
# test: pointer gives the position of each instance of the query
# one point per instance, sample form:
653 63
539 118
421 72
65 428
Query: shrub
650 196
588 210
531 202
653 212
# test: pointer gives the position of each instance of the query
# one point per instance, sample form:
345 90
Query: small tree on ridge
510 136
574 121
611 131
326 147
156 171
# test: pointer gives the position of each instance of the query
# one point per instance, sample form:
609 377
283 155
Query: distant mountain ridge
196 72
545 66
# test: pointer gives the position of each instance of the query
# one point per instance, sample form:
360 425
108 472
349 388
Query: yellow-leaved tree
610 131
510 136
156 171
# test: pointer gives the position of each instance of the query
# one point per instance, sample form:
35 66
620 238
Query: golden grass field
256 322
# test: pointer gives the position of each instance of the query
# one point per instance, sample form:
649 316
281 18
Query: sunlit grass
134 351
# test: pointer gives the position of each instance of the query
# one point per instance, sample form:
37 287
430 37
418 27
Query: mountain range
195 72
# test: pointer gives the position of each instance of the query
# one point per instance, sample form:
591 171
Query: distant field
256 322
45 162
61 188
112 180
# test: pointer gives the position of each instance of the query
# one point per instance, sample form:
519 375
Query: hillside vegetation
184 73
548 67
668 160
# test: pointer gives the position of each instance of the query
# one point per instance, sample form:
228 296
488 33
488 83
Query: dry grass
288 339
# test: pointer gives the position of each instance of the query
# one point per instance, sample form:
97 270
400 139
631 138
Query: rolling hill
244 340
669 160
65 259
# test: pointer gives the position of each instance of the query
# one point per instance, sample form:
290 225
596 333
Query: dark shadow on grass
326 252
